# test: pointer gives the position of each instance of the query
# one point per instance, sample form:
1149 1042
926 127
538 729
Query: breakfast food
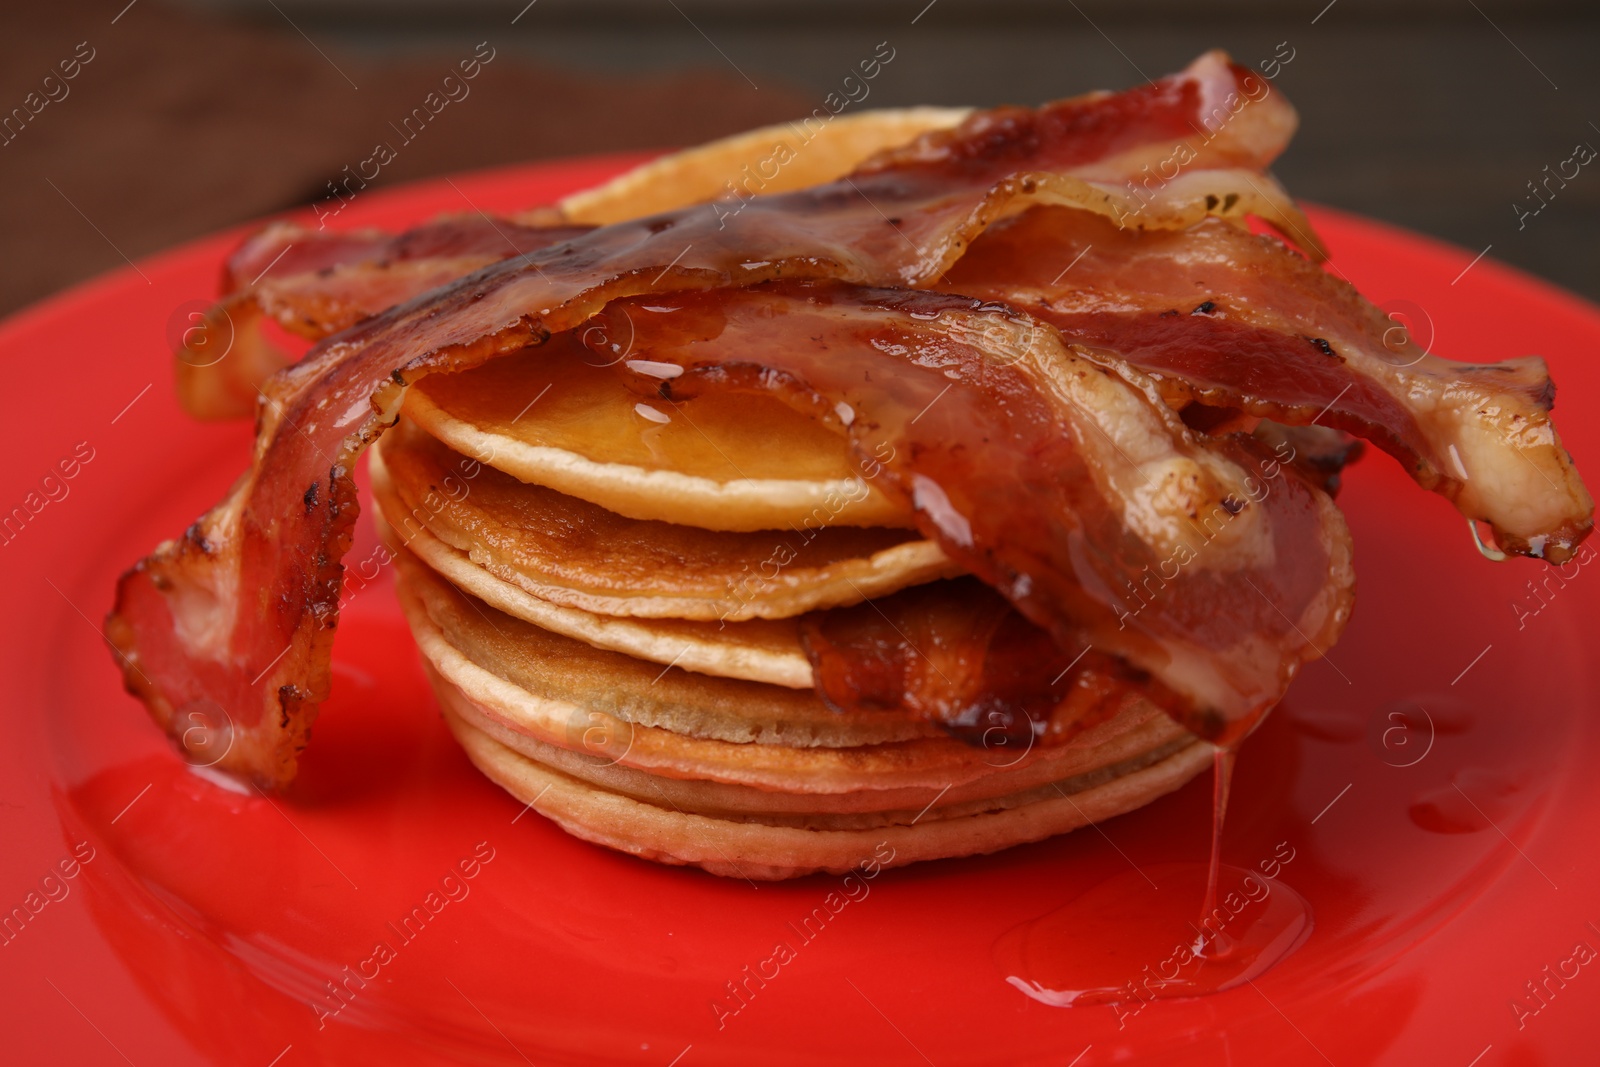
966 482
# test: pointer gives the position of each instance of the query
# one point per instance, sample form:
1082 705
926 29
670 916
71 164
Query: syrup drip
1221 784
1134 938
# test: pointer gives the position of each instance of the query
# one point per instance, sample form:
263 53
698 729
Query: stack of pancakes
607 592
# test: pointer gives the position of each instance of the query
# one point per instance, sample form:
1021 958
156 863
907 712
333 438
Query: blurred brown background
1434 114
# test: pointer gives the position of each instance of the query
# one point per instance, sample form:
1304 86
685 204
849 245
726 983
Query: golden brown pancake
772 159
761 650
485 659
632 760
574 553
563 670
868 806
719 461
749 848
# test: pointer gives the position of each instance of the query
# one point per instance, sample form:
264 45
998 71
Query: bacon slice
1161 155
1065 484
958 654
1236 320
236 618
314 283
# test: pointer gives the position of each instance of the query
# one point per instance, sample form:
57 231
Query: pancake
751 848
759 650
559 669
577 554
772 159
721 461
847 809
483 666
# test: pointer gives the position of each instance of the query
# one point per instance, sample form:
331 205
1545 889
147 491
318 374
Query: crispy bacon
236 618
1065 484
314 283
1186 147
958 654
1236 320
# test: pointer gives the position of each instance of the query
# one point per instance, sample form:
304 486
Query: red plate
1447 865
